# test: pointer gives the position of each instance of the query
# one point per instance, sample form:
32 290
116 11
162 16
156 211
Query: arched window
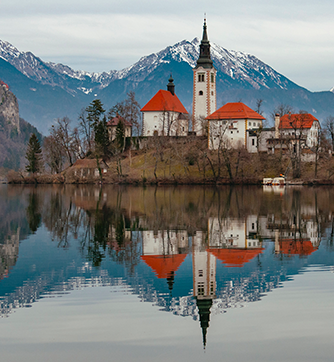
200 93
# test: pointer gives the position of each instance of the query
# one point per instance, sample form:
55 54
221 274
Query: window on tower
200 93
212 78
201 77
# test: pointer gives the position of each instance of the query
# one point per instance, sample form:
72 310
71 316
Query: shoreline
45 179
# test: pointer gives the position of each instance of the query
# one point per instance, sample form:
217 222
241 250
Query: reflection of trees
34 216
64 219
107 221
101 230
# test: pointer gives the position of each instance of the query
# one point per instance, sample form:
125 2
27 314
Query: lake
196 273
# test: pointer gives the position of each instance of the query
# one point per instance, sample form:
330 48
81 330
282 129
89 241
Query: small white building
301 125
112 126
293 131
234 125
164 114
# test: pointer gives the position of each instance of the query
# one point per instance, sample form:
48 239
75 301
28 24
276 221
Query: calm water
166 274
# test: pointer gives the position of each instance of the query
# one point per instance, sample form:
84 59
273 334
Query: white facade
309 134
164 123
234 133
234 233
204 270
204 97
164 242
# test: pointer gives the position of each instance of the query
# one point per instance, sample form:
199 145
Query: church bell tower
204 89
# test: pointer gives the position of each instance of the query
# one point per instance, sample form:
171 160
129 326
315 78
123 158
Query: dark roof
114 121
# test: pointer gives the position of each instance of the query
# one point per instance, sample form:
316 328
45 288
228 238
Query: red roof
235 257
114 121
163 265
164 101
301 120
237 110
300 247
3 83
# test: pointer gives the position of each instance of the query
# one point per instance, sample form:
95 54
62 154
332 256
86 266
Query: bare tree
132 112
85 129
219 141
281 109
329 126
61 131
53 153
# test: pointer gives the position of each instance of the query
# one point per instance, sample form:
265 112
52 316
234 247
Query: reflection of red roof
296 121
163 265
235 257
235 110
300 247
164 101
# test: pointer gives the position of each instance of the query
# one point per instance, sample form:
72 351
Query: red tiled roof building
164 114
234 125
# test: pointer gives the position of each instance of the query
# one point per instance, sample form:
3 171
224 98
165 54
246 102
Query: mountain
14 131
47 90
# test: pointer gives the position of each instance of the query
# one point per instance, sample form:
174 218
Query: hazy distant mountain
47 90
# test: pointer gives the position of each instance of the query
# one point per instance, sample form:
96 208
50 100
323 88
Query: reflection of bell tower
204 279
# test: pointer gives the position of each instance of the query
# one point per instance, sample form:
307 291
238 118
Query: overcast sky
294 37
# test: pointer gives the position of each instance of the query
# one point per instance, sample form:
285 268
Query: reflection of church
235 242
164 251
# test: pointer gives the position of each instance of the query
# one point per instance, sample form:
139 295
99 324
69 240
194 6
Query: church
233 125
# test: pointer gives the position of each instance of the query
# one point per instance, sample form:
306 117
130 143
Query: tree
102 142
329 126
296 141
85 129
281 109
34 155
129 109
220 142
63 134
120 135
54 155
94 112
259 106
132 112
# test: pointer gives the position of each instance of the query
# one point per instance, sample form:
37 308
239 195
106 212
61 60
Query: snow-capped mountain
41 87
238 67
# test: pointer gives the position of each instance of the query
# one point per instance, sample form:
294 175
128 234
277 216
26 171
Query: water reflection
191 251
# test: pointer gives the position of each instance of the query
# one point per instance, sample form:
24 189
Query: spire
204 306
205 35
171 85
204 59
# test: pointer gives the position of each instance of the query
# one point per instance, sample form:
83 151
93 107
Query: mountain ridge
42 86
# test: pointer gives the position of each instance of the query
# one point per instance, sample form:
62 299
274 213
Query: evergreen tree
94 112
102 142
34 155
120 135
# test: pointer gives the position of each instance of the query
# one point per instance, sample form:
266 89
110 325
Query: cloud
294 38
